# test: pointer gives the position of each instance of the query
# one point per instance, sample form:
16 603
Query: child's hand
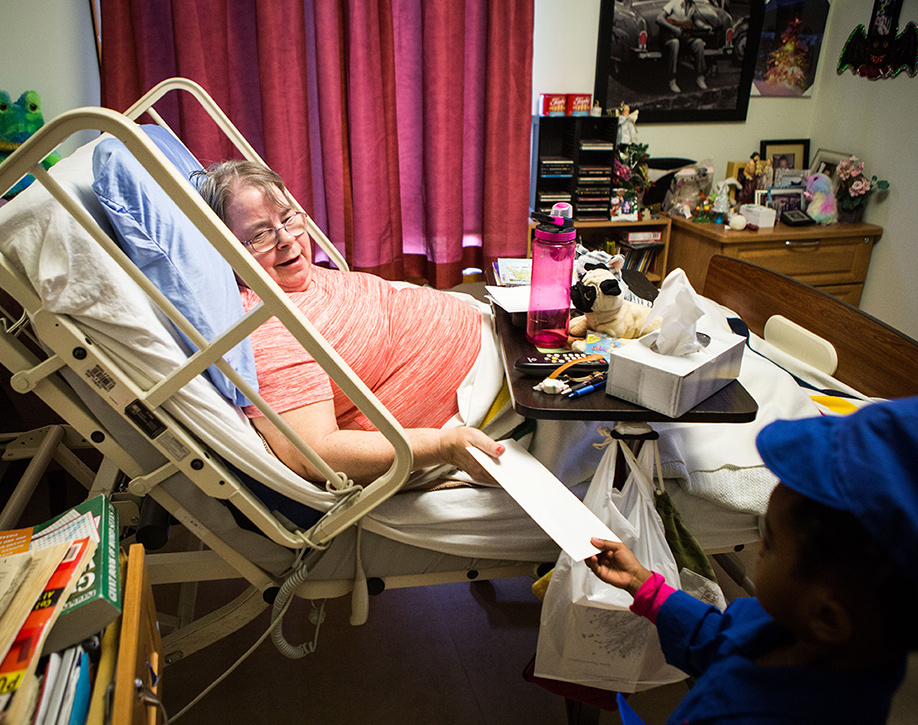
617 565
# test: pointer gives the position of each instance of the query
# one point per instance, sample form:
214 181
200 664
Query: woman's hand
453 450
615 564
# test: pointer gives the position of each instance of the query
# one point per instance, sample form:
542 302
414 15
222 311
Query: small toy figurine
756 174
822 207
627 131
721 208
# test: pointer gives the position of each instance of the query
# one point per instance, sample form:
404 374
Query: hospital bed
107 358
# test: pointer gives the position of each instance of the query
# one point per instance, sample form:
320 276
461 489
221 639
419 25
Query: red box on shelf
578 104
552 104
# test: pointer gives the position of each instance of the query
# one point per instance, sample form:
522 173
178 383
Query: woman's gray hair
219 182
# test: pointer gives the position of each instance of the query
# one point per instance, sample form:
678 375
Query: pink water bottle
552 267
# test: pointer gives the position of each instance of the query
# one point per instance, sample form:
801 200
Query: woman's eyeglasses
268 239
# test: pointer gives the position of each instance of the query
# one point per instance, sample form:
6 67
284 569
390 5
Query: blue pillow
170 250
174 149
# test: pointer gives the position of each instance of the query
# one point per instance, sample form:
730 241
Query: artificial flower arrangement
629 169
854 187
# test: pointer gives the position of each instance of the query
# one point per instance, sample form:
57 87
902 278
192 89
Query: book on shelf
639 259
634 237
640 245
551 166
18 684
37 568
596 144
596 197
588 170
65 687
96 600
553 197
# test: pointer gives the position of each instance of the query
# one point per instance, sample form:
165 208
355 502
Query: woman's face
289 263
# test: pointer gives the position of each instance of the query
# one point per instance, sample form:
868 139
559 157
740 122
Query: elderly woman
413 347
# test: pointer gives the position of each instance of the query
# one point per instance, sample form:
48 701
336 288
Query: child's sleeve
690 632
650 597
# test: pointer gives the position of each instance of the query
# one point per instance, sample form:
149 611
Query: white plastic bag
587 634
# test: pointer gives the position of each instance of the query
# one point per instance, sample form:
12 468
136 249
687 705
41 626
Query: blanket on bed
719 462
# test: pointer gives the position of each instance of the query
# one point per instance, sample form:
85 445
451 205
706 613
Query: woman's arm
364 455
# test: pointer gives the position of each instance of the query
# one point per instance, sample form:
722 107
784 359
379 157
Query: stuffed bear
599 296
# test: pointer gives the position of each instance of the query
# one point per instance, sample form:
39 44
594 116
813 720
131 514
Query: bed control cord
226 674
281 604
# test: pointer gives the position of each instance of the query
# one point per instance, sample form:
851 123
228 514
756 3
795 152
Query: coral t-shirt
412 347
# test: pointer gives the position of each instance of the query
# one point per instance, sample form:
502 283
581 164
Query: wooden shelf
592 231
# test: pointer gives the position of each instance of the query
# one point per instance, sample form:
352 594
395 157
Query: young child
826 638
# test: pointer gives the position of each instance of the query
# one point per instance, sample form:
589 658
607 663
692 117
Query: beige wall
48 47
873 119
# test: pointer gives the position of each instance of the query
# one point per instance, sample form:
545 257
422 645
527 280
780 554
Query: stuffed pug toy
599 296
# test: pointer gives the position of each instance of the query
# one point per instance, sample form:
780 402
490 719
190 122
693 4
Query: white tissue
679 306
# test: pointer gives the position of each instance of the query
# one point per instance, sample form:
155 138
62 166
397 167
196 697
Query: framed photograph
792 35
825 162
786 153
623 205
761 197
791 178
702 71
786 200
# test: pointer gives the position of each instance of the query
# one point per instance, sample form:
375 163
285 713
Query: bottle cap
562 209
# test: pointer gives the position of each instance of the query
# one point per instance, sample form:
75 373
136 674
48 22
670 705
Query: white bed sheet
713 472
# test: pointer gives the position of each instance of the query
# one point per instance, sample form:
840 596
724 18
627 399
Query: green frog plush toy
18 121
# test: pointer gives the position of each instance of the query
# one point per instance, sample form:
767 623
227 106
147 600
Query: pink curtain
402 126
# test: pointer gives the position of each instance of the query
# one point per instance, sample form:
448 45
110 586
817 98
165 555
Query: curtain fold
402 126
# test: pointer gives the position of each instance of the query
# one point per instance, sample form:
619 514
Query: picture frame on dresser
786 153
785 199
826 162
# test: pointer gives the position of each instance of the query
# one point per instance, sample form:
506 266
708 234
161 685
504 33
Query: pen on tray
589 388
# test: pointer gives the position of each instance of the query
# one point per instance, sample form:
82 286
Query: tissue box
671 384
758 215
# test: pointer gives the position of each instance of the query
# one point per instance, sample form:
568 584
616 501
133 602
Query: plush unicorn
822 207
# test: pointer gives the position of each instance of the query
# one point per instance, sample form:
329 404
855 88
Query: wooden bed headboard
873 358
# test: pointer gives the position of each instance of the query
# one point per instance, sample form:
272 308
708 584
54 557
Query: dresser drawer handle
801 243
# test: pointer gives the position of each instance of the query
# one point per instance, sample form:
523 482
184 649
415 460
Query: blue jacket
720 649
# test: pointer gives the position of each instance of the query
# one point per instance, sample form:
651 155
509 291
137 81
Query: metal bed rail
143 408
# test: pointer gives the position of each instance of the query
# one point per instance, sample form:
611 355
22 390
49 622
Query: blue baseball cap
863 463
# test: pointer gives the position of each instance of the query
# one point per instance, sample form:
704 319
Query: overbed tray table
731 404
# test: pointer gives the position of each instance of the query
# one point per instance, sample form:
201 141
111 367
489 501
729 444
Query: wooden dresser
832 258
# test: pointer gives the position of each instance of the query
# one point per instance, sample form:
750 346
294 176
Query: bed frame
873 358
35 369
